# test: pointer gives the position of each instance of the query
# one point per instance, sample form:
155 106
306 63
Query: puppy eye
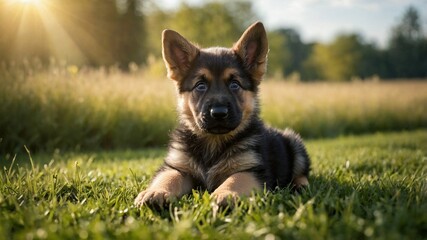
234 85
201 86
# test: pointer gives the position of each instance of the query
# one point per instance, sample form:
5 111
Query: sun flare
28 2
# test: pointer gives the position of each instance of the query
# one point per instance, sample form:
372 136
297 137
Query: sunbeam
61 45
27 2
37 27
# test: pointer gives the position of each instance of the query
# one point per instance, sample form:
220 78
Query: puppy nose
219 112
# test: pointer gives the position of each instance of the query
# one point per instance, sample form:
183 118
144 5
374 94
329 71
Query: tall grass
87 110
332 109
70 108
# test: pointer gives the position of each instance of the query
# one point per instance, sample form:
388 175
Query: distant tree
372 63
288 53
408 47
105 32
208 25
311 70
297 49
278 54
130 34
287 44
340 60
216 23
156 21
410 27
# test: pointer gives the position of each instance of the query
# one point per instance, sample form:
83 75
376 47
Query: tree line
104 32
349 56
118 32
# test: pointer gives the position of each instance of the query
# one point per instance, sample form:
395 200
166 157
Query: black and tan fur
220 143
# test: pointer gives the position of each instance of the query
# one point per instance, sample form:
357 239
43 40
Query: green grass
93 109
370 186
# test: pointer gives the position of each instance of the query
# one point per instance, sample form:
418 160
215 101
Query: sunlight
34 22
16 5
61 44
29 2
43 26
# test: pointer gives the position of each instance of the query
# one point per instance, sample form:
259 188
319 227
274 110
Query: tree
312 67
340 60
288 50
130 35
156 21
107 31
409 27
278 55
212 24
408 47
297 49
216 23
104 32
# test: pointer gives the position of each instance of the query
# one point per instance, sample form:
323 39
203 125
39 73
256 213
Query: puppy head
217 86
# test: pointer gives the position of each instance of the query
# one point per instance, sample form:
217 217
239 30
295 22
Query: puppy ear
178 54
252 48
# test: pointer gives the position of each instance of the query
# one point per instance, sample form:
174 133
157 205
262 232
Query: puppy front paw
153 197
225 198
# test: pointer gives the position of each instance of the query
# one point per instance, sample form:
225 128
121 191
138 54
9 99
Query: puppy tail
301 165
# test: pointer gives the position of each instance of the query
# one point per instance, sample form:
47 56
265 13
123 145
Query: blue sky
321 20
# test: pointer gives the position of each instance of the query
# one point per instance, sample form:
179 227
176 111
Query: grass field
80 181
70 109
362 187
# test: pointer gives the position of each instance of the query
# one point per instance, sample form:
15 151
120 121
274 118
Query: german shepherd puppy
220 143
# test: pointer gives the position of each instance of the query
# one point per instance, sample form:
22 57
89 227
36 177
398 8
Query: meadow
67 108
361 187
77 145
